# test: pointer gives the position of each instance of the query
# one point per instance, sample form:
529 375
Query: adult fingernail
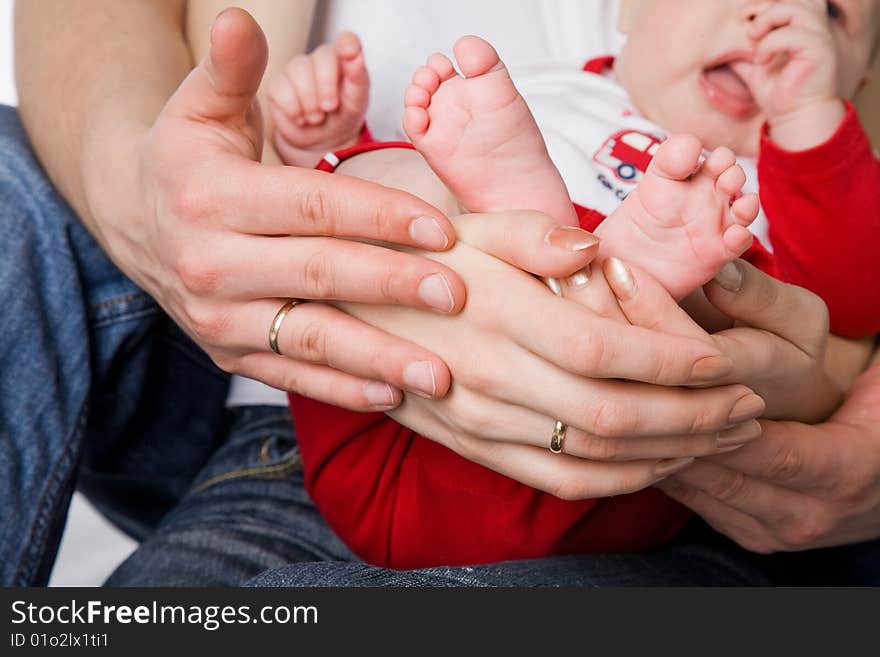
666 468
379 394
419 378
710 368
738 436
620 277
746 408
580 278
426 232
730 277
434 290
570 238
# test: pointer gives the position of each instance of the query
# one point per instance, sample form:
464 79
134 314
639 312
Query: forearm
92 77
286 25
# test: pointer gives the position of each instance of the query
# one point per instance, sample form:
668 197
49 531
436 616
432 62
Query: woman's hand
799 487
522 358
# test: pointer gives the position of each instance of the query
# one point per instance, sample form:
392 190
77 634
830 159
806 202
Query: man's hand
794 75
221 242
798 487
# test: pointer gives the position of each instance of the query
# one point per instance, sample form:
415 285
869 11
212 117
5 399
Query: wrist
111 171
807 126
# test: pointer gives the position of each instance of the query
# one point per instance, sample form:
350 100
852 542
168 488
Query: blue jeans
100 391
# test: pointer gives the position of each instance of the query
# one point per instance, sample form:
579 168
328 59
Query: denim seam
276 471
26 565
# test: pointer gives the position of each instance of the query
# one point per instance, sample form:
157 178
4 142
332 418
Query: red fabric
823 206
403 501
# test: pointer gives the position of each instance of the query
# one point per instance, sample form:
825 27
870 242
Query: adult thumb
225 82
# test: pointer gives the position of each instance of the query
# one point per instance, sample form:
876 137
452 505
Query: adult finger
798 456
769 504
603 348
745 293
564 476
270 200
224 84
320 382
645 303
320 334
530 241
493 419
618 409
324 268
740 527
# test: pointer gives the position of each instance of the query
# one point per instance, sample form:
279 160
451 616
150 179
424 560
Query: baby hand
794 79
319 101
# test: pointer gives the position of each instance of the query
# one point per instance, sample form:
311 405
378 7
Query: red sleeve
823 206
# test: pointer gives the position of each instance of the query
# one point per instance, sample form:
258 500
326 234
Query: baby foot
478 134
318 103
685 220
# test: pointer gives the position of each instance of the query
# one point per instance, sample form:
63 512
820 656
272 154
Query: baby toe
719 161
416 96
426 78
415 122
745 209
678 157
442 66
475 56
731 181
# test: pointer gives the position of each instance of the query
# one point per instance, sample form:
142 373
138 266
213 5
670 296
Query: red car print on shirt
628 153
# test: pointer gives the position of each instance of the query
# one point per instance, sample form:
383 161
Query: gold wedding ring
278 321
558 437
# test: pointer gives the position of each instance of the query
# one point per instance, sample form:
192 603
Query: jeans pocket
260 445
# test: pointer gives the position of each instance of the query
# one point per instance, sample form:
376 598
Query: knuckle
596 448
728 486
227 363
568 489
805 532
607 419
590 351
208 326
758 545
311 342
198 274
192 202
318 281
314 212
472 421
388 286
785 464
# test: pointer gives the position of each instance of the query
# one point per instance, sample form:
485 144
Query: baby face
686 64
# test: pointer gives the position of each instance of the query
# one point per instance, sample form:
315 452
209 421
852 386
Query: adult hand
778 346
221 242
522 358
799 487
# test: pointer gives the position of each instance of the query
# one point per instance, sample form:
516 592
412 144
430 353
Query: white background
91 548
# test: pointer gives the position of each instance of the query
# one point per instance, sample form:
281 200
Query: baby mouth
727 91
